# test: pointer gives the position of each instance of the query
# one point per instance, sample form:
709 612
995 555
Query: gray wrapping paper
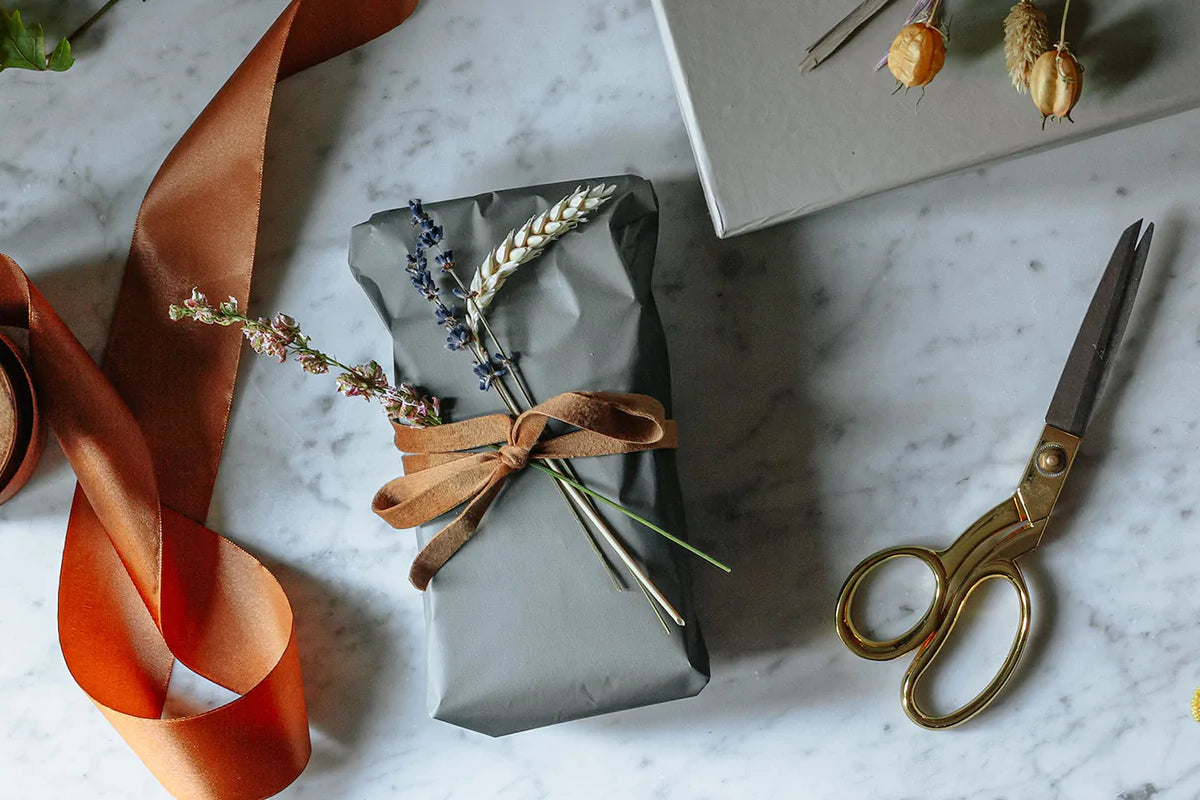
524 628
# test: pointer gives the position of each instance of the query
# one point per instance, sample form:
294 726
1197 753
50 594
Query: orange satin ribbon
442 475
143 581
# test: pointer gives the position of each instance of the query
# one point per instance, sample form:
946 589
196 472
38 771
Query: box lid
773 143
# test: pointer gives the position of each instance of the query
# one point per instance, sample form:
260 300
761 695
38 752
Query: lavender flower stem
492 374
563 472
580 506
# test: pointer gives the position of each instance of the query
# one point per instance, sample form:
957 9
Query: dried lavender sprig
280 336
556 468
488 368
431 236
459 335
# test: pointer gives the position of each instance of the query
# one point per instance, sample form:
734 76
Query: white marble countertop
871 375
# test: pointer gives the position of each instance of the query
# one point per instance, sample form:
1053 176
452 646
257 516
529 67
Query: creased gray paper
524 628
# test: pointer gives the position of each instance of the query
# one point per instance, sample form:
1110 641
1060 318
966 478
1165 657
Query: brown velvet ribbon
143 582
442 473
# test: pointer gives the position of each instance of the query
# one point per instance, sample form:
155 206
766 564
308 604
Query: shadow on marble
348 656
739 337
307 119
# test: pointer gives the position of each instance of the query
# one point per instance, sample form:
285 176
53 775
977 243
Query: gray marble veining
870 375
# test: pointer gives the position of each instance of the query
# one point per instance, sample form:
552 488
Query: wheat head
1026 36
527 242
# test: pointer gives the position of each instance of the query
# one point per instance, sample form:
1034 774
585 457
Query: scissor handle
928 651
882 650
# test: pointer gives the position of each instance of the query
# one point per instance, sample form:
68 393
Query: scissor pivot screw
1051 460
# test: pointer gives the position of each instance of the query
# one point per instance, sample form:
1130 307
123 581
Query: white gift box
773 143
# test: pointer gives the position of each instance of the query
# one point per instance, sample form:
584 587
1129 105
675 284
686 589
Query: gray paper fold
524 628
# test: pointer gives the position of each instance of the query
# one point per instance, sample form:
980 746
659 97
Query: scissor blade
1100 335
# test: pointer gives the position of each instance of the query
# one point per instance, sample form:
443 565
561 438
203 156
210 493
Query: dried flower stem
933 12
568 485
1062 31
562 471
491 371
281 336
488 282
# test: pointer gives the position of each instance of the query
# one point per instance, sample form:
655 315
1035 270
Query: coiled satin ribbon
143 581
20 425
442 473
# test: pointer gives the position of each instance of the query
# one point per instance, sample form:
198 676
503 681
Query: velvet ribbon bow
442 472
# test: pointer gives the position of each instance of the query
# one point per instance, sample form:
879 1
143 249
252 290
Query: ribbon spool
20 428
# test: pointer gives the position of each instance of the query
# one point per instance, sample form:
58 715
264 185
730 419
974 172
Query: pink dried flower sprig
280 336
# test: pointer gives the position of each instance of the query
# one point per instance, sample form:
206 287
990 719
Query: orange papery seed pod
1055 83
917 54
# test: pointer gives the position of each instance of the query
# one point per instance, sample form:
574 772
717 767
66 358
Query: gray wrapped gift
524 628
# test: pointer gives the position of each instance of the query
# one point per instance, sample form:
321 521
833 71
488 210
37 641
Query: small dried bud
1055 83
1026 36
917 54
285 328
313 363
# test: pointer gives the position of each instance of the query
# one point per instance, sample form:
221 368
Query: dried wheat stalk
527 243
1026 36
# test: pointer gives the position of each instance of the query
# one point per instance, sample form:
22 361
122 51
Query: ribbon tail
446 542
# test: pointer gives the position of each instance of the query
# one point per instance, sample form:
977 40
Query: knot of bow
443 471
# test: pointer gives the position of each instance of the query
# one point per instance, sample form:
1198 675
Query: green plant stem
92 20
571 479
510 402
632 515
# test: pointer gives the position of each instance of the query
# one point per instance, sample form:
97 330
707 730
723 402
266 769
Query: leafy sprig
24 46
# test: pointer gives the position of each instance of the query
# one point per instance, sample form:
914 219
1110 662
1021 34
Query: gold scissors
989 548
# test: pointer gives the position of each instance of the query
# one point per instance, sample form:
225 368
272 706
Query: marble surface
871 375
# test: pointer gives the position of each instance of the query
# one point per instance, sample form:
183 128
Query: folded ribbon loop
143 582
441 473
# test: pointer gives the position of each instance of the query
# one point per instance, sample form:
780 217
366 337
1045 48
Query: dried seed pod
917 54
1055 83
1026 36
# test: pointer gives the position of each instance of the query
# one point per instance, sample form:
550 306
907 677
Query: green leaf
24 47
61 59
21 47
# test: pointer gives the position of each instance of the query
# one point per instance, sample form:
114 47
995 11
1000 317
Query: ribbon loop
439 479
143 582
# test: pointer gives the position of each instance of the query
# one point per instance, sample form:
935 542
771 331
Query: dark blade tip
1100 334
